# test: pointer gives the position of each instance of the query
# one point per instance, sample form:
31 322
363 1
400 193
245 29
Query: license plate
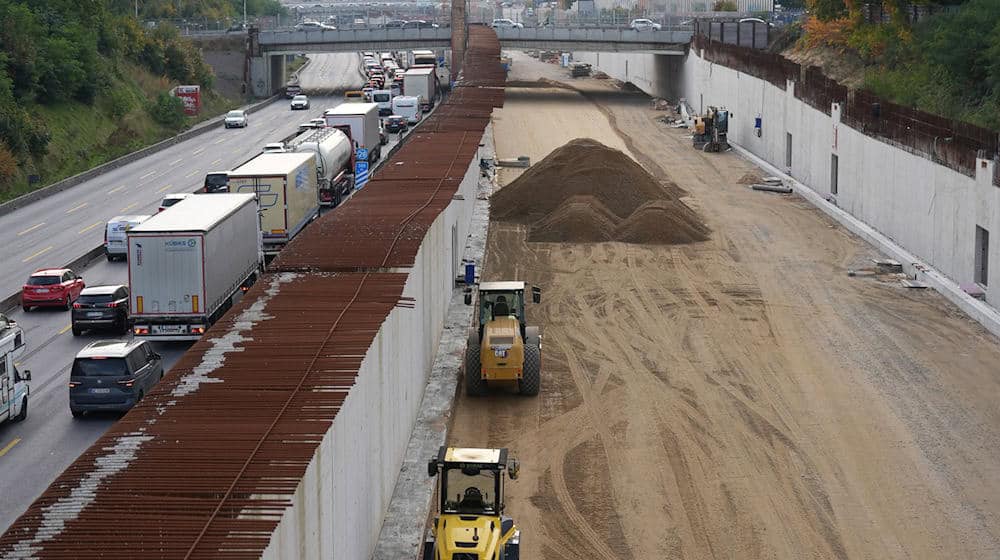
94 314
100 391
169 329
42 290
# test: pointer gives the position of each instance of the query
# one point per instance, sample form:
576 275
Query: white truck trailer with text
186 267
360 122
287 189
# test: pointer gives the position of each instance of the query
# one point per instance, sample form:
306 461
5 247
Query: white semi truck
421 83
334 161
186 267
360 122
13 383
287 189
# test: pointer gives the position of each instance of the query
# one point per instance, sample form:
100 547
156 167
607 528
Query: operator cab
503 299
470 517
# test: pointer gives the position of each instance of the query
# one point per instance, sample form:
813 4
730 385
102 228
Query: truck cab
13 383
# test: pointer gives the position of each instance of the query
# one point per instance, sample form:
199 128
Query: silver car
300 102
644 25
236 119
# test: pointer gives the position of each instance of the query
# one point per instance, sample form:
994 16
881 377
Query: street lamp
244 14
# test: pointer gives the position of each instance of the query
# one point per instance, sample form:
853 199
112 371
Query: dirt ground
739 398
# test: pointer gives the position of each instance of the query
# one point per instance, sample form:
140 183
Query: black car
112 375
396 123
419 24
291 90
101 307
394 24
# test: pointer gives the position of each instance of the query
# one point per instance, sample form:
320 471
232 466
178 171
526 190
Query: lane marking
191 174
42 252
116 189
90 227
9 446
175 162
150 174
66 328
220 140
216 161
129 207
198 151
32 228
71 210
164 188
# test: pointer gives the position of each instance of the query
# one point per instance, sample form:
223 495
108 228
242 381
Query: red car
51 287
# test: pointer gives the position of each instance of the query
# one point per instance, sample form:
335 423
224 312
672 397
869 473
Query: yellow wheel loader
502 349
470 524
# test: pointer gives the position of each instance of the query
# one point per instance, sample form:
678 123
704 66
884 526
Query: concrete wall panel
338 509
928 209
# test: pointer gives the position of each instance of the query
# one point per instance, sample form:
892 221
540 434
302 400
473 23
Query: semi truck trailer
186 267
287 190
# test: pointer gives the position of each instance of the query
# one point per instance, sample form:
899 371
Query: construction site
683 367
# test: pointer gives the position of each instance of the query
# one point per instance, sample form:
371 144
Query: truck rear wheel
475 385
531 382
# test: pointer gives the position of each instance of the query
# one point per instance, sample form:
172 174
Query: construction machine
502 349
711 130
470 523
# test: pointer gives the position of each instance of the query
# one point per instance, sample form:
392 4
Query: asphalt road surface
56 230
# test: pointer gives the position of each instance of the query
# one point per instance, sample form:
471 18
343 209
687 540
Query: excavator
502 349
470 523
711 130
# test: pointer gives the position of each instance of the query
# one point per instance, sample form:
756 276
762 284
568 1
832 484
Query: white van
115 243
13 384
383 98
408 107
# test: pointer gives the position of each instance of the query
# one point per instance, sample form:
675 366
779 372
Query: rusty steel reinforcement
947 142
207 464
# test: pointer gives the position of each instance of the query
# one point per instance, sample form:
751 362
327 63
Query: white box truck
360 122
188 266
421 83
287 189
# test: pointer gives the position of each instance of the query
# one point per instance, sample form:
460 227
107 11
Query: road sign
360 174
361 154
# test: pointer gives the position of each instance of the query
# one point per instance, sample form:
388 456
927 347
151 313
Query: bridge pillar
267 75
458 36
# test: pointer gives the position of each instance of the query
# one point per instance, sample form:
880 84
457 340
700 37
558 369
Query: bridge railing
292 36
594 34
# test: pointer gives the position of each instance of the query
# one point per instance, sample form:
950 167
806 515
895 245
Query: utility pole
137 10
244 14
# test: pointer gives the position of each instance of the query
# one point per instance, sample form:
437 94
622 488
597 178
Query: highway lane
39 448
57 229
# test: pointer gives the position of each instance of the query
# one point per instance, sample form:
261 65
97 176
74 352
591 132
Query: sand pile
749 178
587 192
580 219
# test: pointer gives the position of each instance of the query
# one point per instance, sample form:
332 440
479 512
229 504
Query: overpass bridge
267 47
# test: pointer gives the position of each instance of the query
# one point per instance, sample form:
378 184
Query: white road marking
129 207
164 188
71 210
90 227
116 189
32 228
42 252
150 174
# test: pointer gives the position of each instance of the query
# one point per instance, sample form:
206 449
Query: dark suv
101 307
112 375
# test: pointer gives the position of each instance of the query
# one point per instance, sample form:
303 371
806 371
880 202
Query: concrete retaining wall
924 209
928 209
338 509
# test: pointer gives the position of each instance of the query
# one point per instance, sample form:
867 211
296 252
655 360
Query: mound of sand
749 179
586 192
581 167
663 222
581 219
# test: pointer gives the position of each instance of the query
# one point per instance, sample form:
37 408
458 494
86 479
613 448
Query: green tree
168 111
724 6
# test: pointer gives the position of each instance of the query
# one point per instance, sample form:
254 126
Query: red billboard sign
191 96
